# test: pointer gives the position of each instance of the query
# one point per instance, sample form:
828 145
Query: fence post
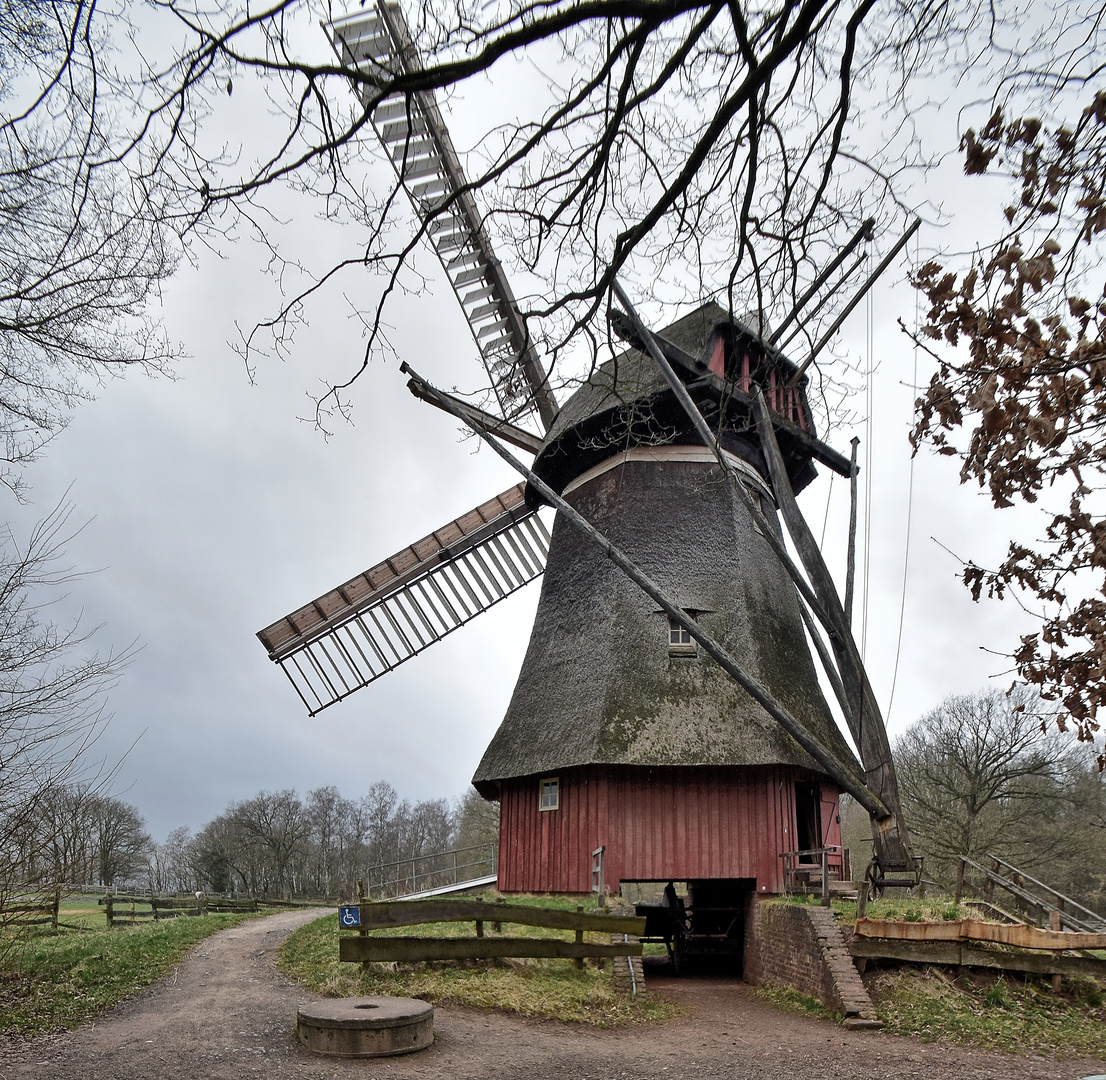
57 906
862 898
1054 924
825 878
598 875
362 931
579 961
108 910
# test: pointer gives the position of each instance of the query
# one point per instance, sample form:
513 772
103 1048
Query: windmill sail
363 629
417 143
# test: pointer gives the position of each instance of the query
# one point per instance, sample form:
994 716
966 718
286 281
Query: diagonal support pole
864 718
840 772
863 714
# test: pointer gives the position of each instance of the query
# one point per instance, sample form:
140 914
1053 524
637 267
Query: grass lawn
547 988
51 981
1013 1013
1010 1012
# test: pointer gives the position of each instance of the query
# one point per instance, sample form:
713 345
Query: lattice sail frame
352 635
414 136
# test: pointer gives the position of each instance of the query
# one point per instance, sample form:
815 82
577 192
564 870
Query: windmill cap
626 401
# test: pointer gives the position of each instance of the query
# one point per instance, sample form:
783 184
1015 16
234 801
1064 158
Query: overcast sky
213 510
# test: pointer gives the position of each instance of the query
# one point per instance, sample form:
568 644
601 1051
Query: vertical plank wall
657 824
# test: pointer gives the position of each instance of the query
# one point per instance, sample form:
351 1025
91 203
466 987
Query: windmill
668 714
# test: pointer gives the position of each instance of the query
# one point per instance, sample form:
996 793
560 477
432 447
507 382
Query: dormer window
680 641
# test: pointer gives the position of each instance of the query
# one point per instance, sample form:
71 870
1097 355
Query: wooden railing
1035 899
364 948
813 869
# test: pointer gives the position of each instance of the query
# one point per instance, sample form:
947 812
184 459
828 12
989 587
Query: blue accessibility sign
349 915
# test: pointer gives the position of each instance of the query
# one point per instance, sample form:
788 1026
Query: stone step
862 1023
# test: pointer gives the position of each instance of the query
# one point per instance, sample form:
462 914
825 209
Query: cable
869 428
909 506
825 520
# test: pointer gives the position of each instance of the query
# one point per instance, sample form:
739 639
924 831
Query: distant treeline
273 844
75 834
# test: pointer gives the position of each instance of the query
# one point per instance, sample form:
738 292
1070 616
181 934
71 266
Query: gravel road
227 1012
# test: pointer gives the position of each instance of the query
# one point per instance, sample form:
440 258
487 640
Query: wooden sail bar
414 136
363 629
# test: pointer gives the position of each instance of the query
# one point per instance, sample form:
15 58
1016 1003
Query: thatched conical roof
598 684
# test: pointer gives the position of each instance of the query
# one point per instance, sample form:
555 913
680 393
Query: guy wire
909 503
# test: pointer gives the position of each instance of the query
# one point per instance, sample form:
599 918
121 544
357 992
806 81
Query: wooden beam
411 950
1018 934
953 955
864 716
485 421
412 912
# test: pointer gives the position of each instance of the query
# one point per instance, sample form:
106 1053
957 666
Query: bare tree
985 773
330 838
275 823
475 820
119 839
51 696
695 147
170 868
84 243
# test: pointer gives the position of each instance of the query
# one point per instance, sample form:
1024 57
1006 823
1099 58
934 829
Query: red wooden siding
657 824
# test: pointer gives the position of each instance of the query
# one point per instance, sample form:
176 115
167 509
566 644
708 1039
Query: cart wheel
874 874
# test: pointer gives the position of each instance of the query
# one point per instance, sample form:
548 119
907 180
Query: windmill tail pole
841 773
866 725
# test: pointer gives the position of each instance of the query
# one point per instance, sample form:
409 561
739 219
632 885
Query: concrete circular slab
366 1026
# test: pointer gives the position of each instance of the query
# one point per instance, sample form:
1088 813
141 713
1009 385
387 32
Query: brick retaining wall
802 947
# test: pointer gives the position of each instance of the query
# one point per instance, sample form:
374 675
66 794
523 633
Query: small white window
680 641
550 794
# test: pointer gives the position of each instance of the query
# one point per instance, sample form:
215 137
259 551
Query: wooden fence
377 916
1023 948
130 910
1034 899
23 910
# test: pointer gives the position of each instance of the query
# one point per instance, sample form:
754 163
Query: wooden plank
1025 937
391 913
410 949
390 573
890 930
935 952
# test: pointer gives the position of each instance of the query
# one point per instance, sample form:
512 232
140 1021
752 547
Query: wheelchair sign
349 916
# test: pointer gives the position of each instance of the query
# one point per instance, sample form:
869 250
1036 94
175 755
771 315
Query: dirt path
228 1012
